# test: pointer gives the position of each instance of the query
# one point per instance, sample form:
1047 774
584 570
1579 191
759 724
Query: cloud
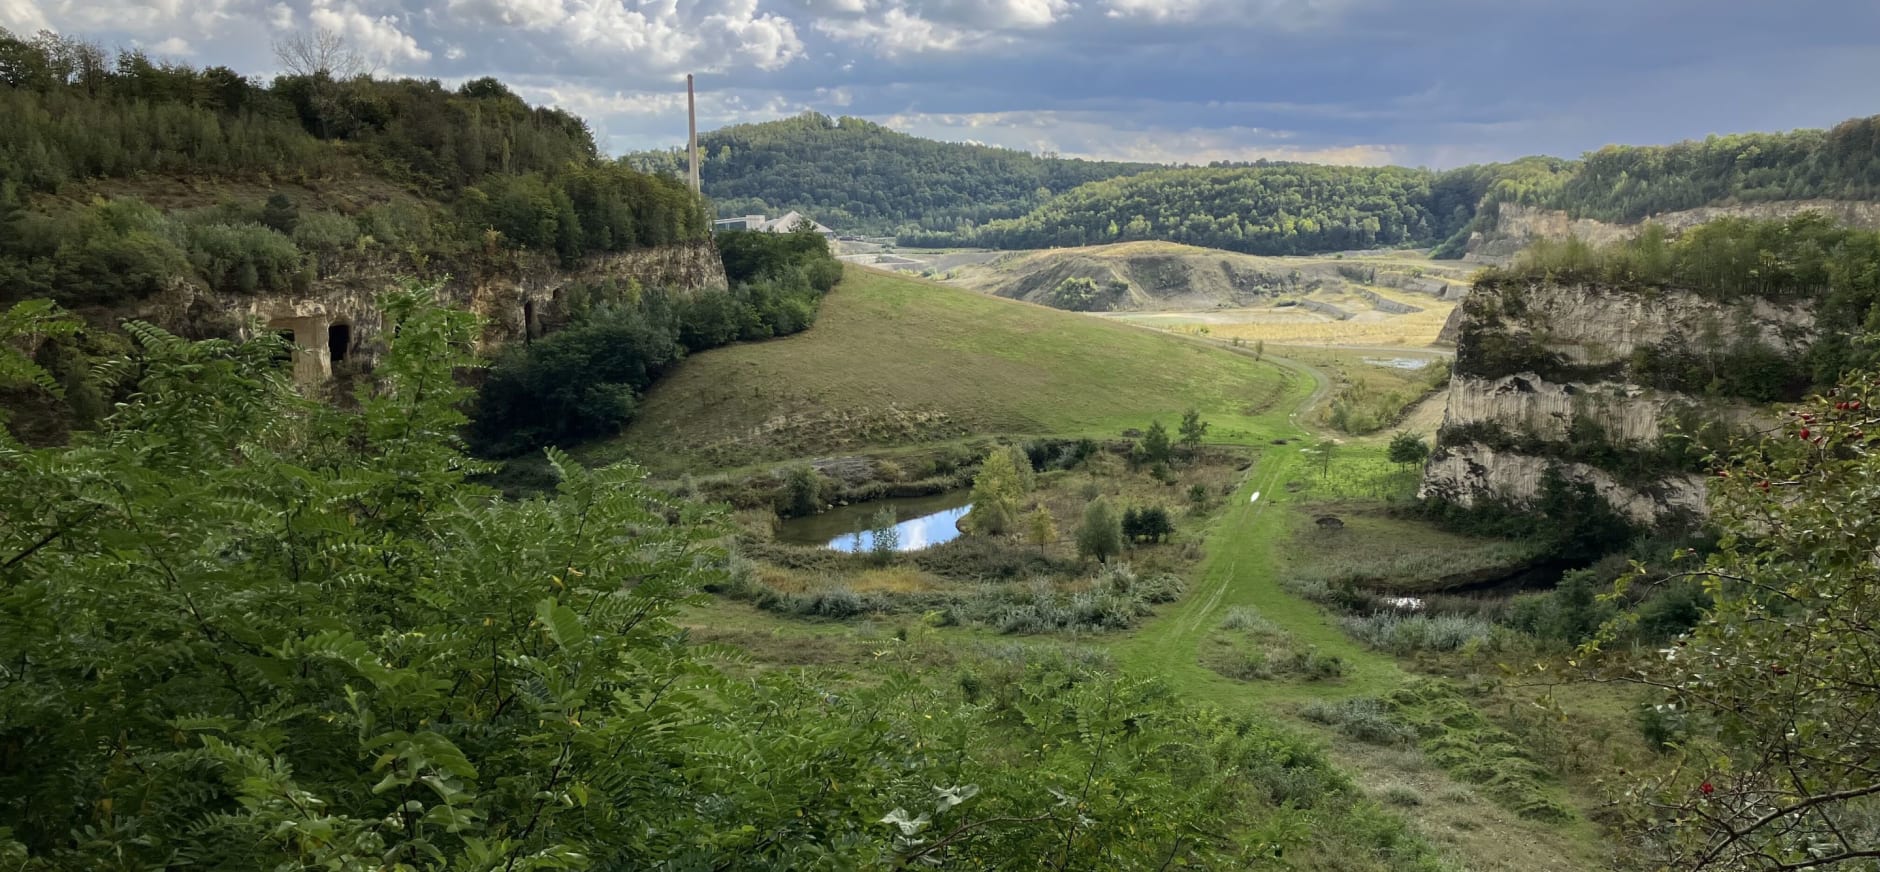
22 16
1352 81
895 33
1276 14
898 28
1108 135
379 38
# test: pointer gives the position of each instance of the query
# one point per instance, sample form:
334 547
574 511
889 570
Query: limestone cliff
1556 377
1517 225
517 294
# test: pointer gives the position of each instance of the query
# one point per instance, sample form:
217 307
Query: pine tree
1155 445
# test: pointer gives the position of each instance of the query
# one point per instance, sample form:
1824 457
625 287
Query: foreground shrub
1407 634
307 642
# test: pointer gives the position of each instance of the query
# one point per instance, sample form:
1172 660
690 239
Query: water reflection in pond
922 522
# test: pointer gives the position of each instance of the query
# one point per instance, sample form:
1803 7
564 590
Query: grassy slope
894 359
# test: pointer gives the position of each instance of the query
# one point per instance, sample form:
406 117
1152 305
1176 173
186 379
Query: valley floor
1250 542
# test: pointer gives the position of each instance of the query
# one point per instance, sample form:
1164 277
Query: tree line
1267 209
860 177
76 115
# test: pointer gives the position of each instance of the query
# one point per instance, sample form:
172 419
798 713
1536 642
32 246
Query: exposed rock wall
517 295
1517 225
1589 329
1465 474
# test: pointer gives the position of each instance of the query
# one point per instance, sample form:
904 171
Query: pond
923 523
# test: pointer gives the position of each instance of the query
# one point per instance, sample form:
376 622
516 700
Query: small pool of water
923 522
1400 362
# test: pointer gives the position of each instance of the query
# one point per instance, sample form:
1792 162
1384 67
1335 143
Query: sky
1436 83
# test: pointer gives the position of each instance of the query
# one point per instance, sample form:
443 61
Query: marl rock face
517 295
1502 431
1517 225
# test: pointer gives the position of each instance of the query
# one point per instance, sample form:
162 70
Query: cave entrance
528 320
338 341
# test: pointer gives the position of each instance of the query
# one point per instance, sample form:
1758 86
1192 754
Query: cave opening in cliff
528 320
338 341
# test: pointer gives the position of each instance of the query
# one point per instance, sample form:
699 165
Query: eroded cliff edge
1623 391
517 294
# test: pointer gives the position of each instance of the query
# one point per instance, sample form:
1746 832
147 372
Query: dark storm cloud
1438 82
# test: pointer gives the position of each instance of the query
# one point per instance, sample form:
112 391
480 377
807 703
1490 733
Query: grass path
1241 570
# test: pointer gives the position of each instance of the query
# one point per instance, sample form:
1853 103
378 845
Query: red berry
1707 788
1765 485
1854 405
1804 433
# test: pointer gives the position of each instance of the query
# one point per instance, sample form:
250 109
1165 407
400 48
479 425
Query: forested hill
864 178
853 175
1628 183
264 184
1262 209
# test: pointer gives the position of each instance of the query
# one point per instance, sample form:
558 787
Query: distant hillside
1262 209
899 360
859 177
1150 276
267 188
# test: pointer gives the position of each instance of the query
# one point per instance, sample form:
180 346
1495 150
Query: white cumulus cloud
379 37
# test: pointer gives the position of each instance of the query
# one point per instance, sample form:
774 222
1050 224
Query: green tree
1156 447
997 490
803 492
1040 527
1324 452
1408 449
1025 474
1778 763
1192 430
884 538
280 214
1099 536
1259 349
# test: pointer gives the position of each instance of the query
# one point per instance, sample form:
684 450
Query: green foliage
1457 737
1040 528
532 174
1149 523
585 381
883 539
1568 519
997 491
803 492
861 177
1410 634
1156 448
1408 449
1264 208
1770 695
1083 294
1367 719
1627 183
334 652
1100 536
1192 431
